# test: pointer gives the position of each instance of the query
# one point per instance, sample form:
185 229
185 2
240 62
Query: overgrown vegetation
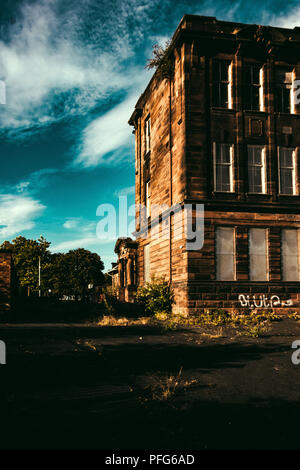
162 61
156 297
163 388
250 324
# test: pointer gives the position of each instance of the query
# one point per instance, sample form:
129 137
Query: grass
252 324
163 388
111 320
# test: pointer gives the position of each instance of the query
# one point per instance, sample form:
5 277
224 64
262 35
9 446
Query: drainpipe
171 176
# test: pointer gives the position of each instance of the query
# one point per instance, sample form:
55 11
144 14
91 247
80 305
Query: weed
163 388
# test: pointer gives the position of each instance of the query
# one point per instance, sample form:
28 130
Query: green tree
26 254
162 61
74 273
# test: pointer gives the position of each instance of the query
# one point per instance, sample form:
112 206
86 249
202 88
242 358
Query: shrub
156 296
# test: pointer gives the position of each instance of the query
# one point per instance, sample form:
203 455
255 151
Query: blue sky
73 71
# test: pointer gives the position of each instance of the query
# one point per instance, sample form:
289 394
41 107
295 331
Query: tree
74 273
26 254
162 61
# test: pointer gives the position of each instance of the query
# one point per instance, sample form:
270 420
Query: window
256 169
290 255
147 263
258 254
253 87
225 254
223 167
221 70
287 174
147 134
284 90
148 202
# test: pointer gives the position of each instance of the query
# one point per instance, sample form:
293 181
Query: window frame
294 169
234 254
267 253
148 198
252 85
284 86
148 256
263 169
297 230
220 81
230 165
147 129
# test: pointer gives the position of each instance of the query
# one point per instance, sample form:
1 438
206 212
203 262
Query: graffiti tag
263 301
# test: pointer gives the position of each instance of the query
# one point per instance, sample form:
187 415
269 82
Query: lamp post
40 277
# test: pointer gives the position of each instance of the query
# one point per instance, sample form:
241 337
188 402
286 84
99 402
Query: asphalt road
85 387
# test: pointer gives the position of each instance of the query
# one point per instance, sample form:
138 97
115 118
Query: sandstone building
222 130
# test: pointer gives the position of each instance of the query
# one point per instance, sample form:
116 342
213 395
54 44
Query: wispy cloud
289 20
58 63
35 181
84 225
105 135
18 214
74 244
125 191
81 242
70 224
81 233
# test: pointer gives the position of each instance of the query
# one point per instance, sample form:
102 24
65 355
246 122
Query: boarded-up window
147 263
225 254
290 255
258 254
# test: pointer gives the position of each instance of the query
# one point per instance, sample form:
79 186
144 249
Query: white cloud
287 21
125 191
35 181
23 186
17 214
79 243
84 226
74 244
52 68
70 224
106 134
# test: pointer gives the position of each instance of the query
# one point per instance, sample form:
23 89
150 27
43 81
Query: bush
156 296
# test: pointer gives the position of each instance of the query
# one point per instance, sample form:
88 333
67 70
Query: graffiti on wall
263 301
